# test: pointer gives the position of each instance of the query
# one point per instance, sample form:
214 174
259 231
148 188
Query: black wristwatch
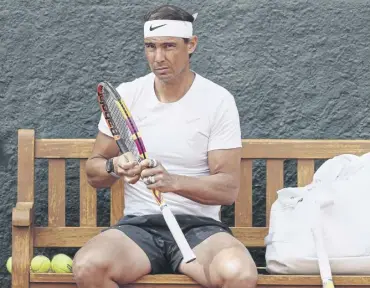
109 167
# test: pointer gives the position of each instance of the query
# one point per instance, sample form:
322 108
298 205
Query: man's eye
149 45
170 45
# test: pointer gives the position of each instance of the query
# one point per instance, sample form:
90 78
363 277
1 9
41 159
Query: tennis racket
128 139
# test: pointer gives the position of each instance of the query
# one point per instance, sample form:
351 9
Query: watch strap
109 167
114 175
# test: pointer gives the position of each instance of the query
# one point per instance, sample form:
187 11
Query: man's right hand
126 166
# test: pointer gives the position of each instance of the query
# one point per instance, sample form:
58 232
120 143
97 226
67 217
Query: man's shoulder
215 91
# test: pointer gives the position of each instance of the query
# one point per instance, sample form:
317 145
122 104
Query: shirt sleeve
102 126
225 127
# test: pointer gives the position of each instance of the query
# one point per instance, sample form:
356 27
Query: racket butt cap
328 284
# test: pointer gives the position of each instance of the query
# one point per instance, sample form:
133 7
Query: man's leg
109 259
222 261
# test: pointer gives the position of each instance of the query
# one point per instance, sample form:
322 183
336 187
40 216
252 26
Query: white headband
170 28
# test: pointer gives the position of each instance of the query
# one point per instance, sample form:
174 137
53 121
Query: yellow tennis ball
61 263
9 265
40 264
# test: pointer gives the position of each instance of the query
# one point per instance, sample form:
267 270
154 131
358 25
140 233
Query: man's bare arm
105 147
219 188
124 165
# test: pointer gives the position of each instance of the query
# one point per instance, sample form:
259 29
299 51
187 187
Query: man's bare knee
87 268
109 257
235 269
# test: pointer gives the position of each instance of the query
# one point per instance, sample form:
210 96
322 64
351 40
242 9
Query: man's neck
174 90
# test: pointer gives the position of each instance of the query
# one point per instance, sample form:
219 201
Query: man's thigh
215 255
123 250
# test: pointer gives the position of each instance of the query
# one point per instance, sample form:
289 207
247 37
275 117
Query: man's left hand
155 176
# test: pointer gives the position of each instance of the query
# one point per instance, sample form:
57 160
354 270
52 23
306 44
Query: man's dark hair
169 12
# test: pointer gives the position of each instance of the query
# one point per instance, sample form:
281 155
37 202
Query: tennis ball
40 264
9 265
61 263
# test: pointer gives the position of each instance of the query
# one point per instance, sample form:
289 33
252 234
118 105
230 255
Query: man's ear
192 44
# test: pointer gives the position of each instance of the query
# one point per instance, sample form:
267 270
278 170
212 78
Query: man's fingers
149 180
151 171
153 163
129 172
149 163
126 166
126 172
132 180
131 168
136 170
127 161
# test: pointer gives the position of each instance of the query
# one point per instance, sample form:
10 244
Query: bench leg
22 253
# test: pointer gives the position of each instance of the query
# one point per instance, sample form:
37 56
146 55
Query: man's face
168 56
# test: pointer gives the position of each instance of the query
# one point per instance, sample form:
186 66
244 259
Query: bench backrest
57 151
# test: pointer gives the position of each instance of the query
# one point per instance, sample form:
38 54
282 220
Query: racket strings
120 124
133 129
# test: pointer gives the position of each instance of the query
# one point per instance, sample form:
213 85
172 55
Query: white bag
337 205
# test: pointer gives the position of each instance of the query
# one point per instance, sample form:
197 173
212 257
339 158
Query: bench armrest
23 214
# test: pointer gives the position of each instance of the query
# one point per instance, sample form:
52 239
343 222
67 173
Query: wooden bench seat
26 236
302 281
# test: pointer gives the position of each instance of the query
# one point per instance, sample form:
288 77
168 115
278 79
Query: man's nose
159 55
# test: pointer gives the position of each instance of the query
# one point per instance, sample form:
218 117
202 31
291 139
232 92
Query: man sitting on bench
190 126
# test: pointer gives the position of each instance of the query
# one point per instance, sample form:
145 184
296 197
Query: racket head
122 125
120 121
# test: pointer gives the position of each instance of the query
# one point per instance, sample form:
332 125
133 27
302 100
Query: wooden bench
26 236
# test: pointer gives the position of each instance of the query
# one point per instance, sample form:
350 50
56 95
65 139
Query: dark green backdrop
297 68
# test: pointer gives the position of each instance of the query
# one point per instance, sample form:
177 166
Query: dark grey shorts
150 232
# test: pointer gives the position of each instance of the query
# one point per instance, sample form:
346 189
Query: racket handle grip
177 234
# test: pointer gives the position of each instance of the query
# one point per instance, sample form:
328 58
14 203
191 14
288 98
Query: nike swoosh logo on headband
151 28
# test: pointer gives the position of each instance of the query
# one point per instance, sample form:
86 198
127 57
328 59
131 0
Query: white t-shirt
179 135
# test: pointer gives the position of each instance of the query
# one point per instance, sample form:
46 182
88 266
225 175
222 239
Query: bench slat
136 285
63 148
274 280
153 285
243 204
64 236
252 148
301 148
305 171
116 201
78 236
56 192
88 199
54 285
274 182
